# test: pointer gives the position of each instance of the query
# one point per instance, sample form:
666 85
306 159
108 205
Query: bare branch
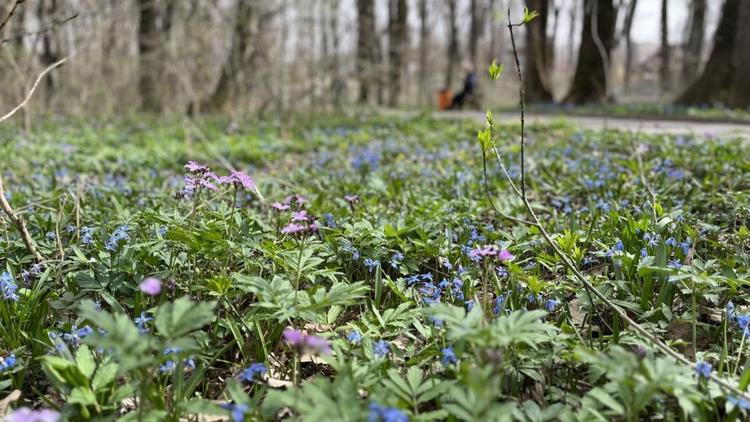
33 88
10 14
20 224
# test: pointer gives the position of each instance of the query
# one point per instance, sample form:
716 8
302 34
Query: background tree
693 49
367 45
627 29
664 57
453 55
397 43
536 71
148 44
714 83
739 92
424 46
591 75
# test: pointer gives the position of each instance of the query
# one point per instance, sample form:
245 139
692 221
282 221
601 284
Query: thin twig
20 224
10 14
567 262
33 88
53 25
522 95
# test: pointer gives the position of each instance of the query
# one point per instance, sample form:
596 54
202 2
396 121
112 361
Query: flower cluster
300 220
201 176
119 235
7 363
24 414
169 366
480 253
252 372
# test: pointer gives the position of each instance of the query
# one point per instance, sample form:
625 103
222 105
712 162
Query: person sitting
470 85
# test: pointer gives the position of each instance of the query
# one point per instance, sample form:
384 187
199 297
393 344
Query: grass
398 292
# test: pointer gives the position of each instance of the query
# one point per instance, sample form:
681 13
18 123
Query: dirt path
619 123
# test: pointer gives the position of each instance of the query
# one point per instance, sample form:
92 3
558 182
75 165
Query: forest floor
644 125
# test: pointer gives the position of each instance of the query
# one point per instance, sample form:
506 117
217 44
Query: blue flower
619 247
396 259
120 234
380 413
330 222
674 264
381 348
499 304
671 242
167 366
237 411
551 305
371 264
685 246
449 356
8 287
254 370
644 252
354 337
87 234
742 403
141 322
7 363
469 305
703 369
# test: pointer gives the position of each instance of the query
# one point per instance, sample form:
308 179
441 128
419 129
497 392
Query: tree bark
691 57
591 77
536 75
626 33
453 54
397 42
664 56
148 44
740 91
366 48
424 42
716 79
46 10
475 31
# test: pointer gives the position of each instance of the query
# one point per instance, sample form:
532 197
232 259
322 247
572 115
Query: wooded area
254 56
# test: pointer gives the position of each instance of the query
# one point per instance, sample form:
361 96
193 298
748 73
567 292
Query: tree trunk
337 84
664 73
234 62
740 92
453 54
366 48
536 76
591 76
495 49
626 33
46 10
148 44
693 49
397 42
475 31
424 42
716 79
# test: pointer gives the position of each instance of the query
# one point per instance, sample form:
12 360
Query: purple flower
318 344
196 168
293 337
300 216
239 179
150 286
505 255
278 206
352 199
293 228
24 414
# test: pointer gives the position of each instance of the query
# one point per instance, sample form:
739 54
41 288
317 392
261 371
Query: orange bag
445 99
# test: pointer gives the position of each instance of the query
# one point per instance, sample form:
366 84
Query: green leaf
183 316
496 70
85 361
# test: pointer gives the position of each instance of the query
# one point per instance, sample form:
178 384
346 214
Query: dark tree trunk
337 84
664 72
367 48
453 54
397 42
46 10
536 76
693 50
740 91
424 41
626 33
591 75
148 44
716 79
235 61
495 35
475 31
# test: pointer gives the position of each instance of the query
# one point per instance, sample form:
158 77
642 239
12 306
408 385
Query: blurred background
260 57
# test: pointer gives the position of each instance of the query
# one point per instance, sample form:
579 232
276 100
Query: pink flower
150 286
300 216
299 199
352 199
293 228
505 255
301 340
239 178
